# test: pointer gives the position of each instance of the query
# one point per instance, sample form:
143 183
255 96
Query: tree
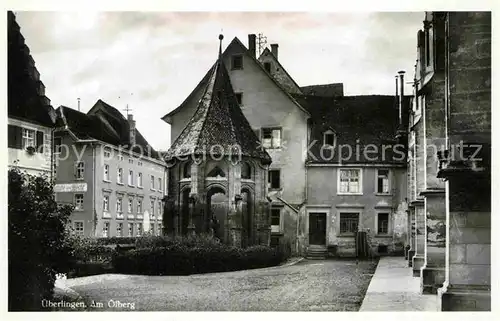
38 240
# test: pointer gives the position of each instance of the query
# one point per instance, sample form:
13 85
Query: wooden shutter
18 137
39 141
11 135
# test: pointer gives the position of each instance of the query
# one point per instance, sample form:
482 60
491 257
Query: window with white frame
80 170
119 229
152 207
130 161
28 138
119 205
152 182
349 223
78 228
78 202
160 207
160 188
105 203
107 153
105 229
130 205
383 223
275 219
139 179
139 229
106 172
383 182
139 206
119 176
271 138
131 178
130 229
350 181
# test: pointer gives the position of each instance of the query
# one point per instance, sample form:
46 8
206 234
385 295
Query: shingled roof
104 123
356 121
26 93
218 124
326 90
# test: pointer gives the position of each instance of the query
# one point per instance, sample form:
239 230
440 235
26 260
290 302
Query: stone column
411 232
467 284
192 206
234 199
419 258
433 271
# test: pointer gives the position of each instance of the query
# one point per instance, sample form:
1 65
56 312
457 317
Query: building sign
75 187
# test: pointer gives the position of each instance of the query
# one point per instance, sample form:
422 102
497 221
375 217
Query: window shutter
11 135
39 141
18 137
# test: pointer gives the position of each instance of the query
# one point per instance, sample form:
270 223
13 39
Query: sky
151 61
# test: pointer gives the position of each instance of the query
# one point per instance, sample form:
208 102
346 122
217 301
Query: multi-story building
450 152
315 202
30 115
111 174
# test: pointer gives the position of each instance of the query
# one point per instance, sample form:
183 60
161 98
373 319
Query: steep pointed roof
218 126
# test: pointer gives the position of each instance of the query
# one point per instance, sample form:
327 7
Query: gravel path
328 285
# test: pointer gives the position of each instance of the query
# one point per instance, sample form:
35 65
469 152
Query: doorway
317 228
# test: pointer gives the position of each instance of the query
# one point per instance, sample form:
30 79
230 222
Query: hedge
179 259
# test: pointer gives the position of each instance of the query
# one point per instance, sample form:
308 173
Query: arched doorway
247 236
184 213
217 206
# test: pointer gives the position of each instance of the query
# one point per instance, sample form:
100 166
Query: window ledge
119 183
106 180
80 179
140 187
342 193
383 194
120 217
106 215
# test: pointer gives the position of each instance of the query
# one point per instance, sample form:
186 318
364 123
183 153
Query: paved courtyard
328 285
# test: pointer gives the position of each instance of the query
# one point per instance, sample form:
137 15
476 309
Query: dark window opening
275 241
186 171
239 97
329 139
382 249
349 222
383 223
275 216
237 62
246 171
267 67
273 181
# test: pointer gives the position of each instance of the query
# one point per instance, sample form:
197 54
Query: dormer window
239 98
329 139
267 67
237 62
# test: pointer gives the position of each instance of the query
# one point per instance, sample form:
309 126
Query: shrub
39 245
183 256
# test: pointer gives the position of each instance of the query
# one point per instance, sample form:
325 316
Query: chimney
274 50
131 124
401 94
251 44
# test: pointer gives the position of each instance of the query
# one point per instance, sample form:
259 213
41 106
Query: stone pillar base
407 249
432 279
464 298
411 254
418 263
